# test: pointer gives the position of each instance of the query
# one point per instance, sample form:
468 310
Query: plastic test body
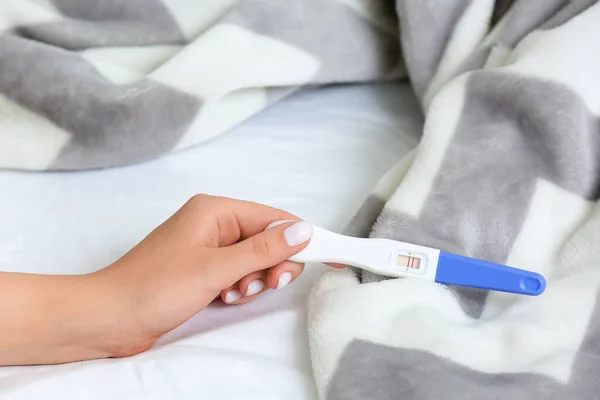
399 259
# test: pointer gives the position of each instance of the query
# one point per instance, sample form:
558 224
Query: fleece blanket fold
508 169
101 83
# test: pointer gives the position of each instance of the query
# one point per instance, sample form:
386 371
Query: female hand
211 246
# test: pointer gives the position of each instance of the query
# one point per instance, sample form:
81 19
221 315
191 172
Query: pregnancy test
399 259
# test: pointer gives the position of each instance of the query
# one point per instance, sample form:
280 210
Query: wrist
112 329
84 320
57 319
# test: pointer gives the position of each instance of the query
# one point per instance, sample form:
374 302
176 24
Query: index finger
245 217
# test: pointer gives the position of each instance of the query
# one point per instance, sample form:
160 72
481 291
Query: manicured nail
232 296
255 287
284 279
298 233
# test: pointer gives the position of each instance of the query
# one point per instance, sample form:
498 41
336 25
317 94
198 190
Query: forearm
56 319
209 246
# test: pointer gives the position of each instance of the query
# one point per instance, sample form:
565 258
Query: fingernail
298 233
284 279
255 287
232 296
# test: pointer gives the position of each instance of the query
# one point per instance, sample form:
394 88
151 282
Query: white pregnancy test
399 259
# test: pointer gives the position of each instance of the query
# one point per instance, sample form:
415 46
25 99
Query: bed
316 154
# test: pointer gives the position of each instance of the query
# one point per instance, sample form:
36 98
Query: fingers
247 289
261 251
233 219
283 274
232 295
335 265
253 218
252 285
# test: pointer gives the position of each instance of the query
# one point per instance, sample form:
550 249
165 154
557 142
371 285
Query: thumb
264 250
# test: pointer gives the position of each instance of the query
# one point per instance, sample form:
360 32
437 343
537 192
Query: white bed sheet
316 154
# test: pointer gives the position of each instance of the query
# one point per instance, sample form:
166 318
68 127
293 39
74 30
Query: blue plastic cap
458 270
